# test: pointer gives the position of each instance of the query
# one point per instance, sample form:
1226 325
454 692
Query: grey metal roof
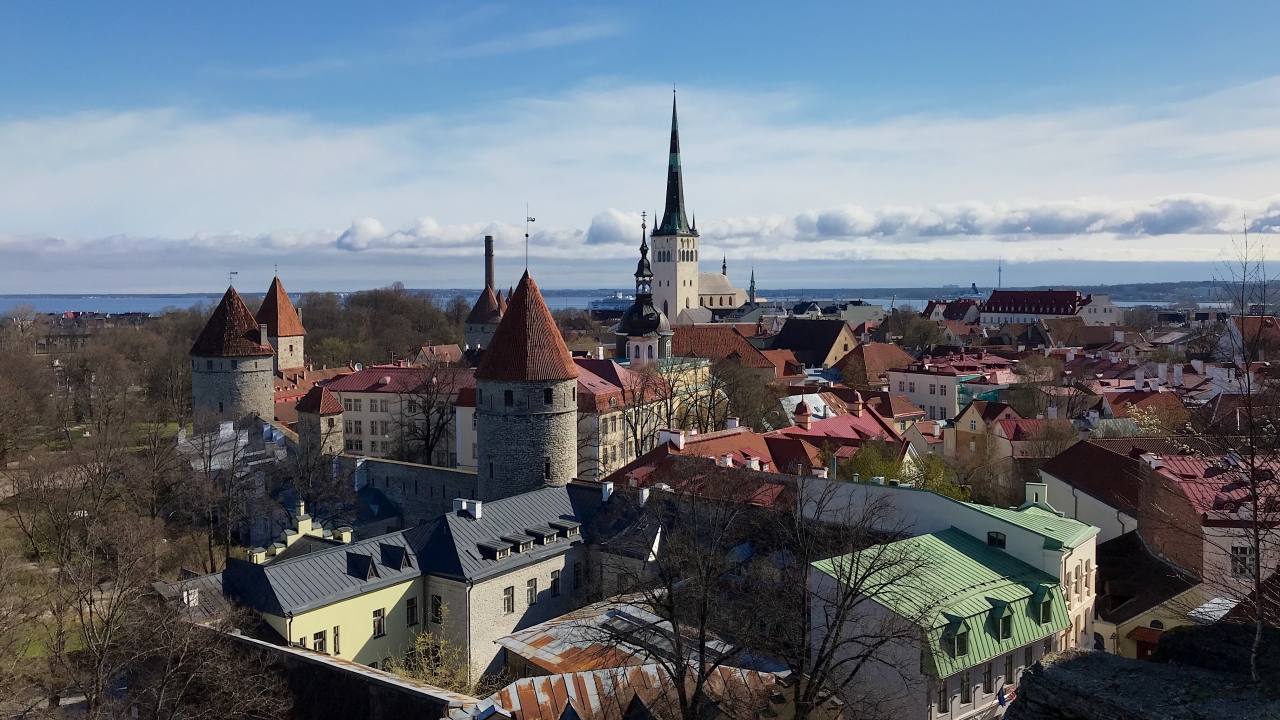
450 546
319 578
506 518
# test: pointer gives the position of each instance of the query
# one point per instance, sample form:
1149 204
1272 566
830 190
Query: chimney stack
262 332
488 261
1177 375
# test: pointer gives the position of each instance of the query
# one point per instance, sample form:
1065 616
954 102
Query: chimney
606 491
1052 412
875 480
726 460
753 463
731 422
855 407
1198 366
1117 336
1037 494
820 472
488 261
343 535
1152 460
1177 375
1139 379
675 437
1162 372
599 352
1071 356
262 334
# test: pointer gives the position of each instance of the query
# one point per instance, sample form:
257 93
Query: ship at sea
611 307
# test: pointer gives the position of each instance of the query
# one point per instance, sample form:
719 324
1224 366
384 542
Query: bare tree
423 418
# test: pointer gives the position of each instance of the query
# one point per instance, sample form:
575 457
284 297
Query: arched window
1157 625
637 351
650 352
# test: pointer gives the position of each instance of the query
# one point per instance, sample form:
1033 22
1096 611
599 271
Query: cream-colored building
473 575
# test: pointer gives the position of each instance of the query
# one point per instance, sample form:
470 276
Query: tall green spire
674 219
751 289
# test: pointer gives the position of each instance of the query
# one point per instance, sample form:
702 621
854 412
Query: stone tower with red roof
232 366
320 431
526 401
284 327
482 321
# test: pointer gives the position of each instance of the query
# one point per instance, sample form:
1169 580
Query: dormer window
1046 612
1005 627
960 643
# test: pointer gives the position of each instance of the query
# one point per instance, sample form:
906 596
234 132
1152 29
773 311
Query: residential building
816 343
941 386
1249 338
865 367
722 342
1140 596
620 412
1029 306
436 355
975 426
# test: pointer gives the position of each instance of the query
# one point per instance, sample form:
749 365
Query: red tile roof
486 310
1036 302
1120 402
278 313
714 342
402 379
1030 428
527 345
867 426
991 411
231 332
320 401
1106 468
877 358
785 364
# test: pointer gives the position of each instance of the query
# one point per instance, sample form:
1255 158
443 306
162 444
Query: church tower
675 242
644 333
284 327
526 401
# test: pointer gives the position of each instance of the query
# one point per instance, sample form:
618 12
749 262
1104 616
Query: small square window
996 540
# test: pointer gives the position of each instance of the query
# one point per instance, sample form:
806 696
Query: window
318 642
900 389
1046 611
1008 669
437 609
555 583
379 622
1006 627
933 389
546 396
475 451
508 398
546 468
961 643
346 427
996 540
531 591
944 698
973 426
337 648
987 680
479 397
411 611
966 688
1157 625
1075 585
357 427
346 404
302 642
1088 577
1241 559
942 390
911 386
356 404
1048 645
508 599
577 574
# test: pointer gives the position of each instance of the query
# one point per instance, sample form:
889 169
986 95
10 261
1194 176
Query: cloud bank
96 194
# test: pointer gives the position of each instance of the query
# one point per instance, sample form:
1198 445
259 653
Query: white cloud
1120 184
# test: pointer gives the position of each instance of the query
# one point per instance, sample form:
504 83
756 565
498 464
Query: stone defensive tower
232 366
482 321
675 241
284 327
320 431
526 401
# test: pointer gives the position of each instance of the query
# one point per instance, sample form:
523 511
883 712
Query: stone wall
232 389
422 492
288 351
530 443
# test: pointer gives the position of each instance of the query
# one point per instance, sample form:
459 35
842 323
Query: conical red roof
502 302
278 314
320 401
231 331
527 345
486 309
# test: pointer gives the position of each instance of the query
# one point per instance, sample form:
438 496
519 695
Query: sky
157 146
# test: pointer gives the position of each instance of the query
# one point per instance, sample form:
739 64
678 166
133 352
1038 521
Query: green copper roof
965 586
1058 532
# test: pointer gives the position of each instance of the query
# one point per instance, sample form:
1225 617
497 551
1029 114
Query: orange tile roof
877 358
785 364
319 401
231 332
278 313
714 342
527 346
486 310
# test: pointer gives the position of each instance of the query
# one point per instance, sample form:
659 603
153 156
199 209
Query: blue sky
153 146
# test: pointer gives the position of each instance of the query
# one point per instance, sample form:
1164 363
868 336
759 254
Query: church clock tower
675 242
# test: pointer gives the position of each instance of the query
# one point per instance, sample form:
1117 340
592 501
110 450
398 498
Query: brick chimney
488 261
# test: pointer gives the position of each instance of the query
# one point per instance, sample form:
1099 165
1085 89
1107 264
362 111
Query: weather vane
527 220
231 276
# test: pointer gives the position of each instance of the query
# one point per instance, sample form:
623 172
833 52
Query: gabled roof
403 379
811 340
1132 580
963 580
319 401
1097 469
278 313
1168 402
991 411
527 346
1036 302
717 342
785 364
486 311
877 358
1058 532
232 331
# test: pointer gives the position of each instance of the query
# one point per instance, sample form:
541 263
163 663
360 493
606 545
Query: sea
556 299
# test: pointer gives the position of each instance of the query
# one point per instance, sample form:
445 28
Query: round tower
232 366
482 321
644 332
284 327
526 401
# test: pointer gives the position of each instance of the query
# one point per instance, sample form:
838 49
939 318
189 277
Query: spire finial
527 220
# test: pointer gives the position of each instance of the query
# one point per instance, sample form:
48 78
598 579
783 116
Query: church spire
751 289
674 219
644 274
